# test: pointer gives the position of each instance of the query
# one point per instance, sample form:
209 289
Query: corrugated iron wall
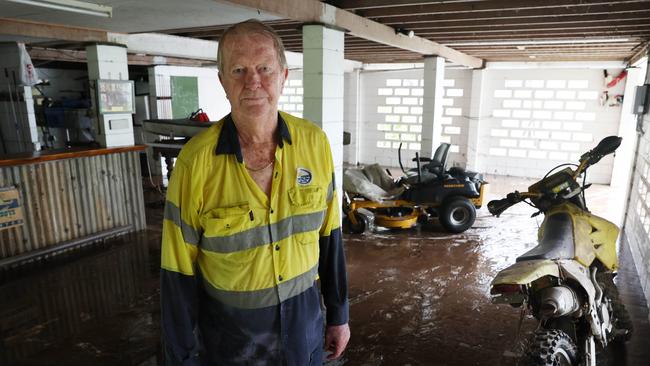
72 198
57 303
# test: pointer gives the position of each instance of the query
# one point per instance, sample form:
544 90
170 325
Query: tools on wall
610 82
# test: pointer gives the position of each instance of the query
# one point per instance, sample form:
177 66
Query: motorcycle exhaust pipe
558 301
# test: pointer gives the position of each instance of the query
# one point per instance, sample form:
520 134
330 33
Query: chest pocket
309 204
224 221
307 199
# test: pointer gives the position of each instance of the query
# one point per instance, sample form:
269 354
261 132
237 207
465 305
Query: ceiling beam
619 11
315 11
604 19
361 4
27 28
481 6
167 45
644 50
577 31
50 54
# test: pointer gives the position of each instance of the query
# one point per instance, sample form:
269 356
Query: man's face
252 77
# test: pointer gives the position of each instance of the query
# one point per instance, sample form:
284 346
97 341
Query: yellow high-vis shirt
234 261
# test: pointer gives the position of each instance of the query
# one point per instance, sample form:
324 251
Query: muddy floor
418 297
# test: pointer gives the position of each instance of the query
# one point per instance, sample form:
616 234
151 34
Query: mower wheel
361 225
457 214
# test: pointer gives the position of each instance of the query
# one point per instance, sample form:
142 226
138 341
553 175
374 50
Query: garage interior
514 87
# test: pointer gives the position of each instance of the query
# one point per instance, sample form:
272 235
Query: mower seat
433 169
556 242
438 164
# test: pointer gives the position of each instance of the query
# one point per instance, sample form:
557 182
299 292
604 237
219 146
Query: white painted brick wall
637 224
533 120
636 229
378 89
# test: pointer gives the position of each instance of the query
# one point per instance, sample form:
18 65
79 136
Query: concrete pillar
352 116
434 75
323 87
474 123
108 62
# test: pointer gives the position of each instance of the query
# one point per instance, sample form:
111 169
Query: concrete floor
418 297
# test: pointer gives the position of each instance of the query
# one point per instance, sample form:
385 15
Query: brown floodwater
418 297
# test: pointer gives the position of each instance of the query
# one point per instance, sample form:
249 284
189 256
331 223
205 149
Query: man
251 222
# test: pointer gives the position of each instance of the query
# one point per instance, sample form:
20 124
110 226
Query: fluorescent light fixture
539 42
73 6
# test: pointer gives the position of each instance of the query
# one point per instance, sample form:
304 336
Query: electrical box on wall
641 99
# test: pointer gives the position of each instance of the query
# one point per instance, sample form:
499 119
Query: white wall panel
391 112
533 120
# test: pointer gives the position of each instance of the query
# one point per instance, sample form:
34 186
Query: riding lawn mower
373 198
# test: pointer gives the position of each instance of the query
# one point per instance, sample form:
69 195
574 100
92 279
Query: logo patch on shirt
303 177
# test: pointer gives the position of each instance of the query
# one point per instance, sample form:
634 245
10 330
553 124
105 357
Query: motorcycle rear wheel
550 347
623 326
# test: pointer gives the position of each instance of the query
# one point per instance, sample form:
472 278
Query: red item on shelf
199 116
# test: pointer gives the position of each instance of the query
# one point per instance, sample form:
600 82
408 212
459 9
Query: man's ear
285 76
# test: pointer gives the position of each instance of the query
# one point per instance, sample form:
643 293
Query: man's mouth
253 99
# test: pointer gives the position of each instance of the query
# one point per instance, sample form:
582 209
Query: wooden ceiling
493 30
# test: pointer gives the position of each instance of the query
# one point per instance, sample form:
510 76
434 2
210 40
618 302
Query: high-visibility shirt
242 267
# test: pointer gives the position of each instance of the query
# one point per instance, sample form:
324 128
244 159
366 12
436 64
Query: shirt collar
228 142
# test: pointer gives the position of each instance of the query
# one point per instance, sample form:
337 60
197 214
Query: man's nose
253 79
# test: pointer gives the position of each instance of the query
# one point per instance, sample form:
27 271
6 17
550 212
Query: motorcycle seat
556 242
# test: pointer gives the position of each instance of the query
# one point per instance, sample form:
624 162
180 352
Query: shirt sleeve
331 266
178 283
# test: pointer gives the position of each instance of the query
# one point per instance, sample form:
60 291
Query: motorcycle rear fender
524 273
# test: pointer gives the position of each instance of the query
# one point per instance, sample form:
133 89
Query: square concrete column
352 115
109 62
323 87
474 124
434 75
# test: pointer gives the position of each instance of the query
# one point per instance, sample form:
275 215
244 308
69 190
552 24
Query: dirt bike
566 281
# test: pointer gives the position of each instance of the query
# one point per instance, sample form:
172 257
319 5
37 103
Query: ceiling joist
315 11
439 7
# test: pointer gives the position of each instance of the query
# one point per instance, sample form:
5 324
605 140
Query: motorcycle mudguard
524 273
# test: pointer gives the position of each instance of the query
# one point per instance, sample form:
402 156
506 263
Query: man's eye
237 71
265 69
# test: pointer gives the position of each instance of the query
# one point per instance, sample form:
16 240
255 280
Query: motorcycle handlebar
496 207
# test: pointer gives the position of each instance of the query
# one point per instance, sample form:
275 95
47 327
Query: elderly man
251 223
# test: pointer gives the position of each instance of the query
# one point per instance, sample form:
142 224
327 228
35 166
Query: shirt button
277 247
280 278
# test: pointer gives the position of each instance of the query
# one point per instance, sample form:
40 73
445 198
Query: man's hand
336 339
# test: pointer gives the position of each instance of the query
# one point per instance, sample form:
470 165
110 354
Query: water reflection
51 303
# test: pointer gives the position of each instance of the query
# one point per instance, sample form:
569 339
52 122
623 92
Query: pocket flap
226 212
306 196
